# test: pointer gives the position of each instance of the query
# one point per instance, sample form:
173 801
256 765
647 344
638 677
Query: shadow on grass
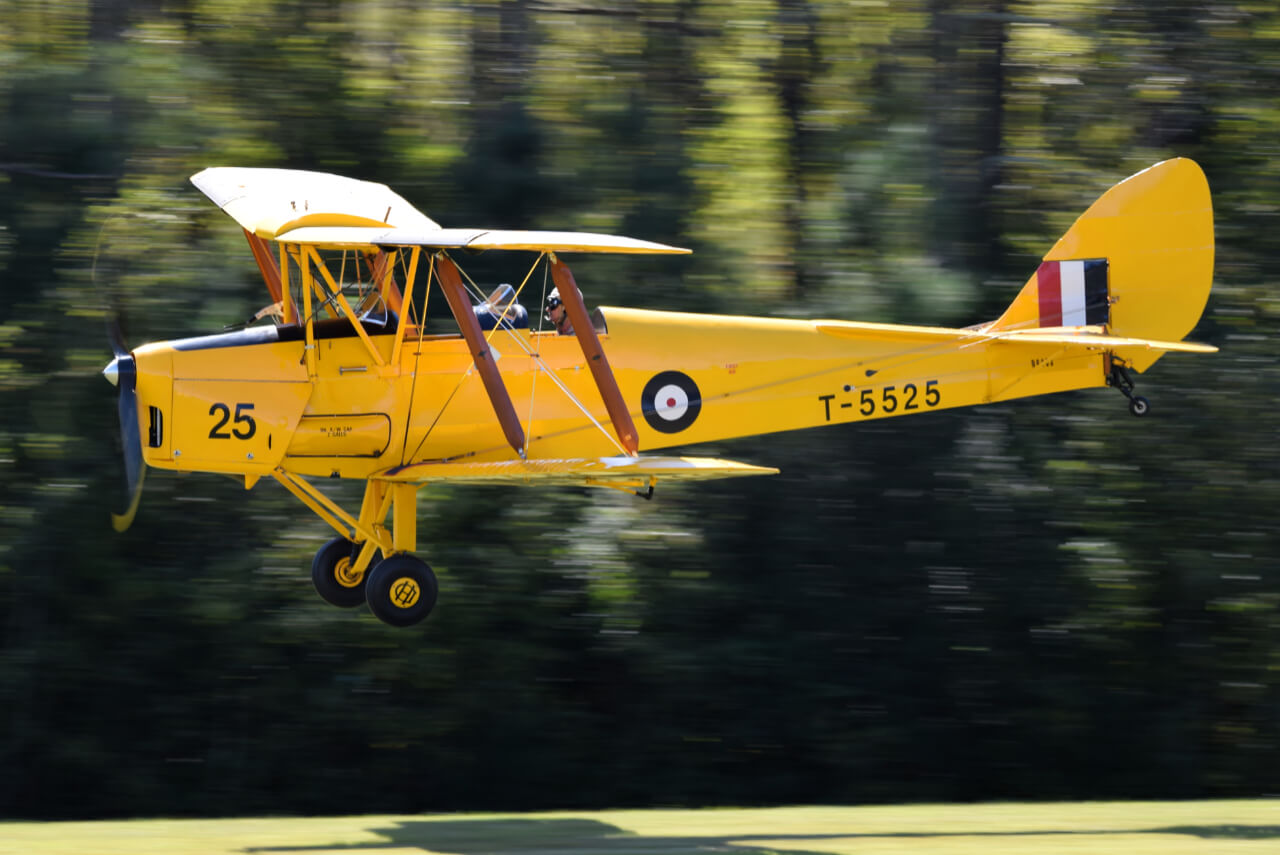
481 837
511 836
1221 832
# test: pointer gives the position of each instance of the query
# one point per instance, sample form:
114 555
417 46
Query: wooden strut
576 308
267 265
456 293
382 274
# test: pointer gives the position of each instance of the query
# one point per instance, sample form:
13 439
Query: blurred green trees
1043 600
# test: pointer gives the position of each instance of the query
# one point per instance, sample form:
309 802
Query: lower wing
621 472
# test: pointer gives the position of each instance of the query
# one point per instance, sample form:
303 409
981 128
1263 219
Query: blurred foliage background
1048 599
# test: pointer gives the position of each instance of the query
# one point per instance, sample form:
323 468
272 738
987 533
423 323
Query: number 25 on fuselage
348 380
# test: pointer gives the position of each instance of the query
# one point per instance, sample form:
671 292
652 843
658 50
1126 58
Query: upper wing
603 471
267 202
474 239
329 210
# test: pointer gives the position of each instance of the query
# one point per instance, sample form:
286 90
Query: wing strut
594 353
267 264
456 293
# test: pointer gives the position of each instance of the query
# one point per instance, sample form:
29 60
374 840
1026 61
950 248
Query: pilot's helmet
553 302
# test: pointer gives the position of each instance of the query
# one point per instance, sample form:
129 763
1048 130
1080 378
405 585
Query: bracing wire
536 357
411 313
533 382
538 362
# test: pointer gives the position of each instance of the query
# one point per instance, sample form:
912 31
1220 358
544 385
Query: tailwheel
1120 379
402 590
333 575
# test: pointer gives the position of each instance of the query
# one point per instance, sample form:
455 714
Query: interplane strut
456 293
593 351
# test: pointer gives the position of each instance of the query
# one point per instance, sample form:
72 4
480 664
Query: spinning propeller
122 373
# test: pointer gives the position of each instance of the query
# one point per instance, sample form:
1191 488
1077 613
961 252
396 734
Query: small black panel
155 432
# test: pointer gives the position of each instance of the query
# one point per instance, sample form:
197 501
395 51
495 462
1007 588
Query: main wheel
402 590
331 573
1139 405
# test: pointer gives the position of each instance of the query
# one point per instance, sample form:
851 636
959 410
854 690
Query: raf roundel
670 401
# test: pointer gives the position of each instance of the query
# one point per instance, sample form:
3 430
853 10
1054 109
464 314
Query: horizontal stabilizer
1086 337
603 471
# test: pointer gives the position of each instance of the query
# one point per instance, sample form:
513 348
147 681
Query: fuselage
245 402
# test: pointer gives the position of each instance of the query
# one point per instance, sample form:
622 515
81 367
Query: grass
1132 828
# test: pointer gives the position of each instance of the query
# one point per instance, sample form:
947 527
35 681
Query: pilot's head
555 308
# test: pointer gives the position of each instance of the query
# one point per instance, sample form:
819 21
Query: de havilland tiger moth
350 381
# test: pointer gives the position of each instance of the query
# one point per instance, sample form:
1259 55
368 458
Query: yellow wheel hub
405 592
342 571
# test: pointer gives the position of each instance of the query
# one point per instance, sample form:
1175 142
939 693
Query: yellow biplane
351 381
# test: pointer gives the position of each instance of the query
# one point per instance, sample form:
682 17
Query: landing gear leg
1120 379
348 570
402 589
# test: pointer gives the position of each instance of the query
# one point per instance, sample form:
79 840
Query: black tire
402 590
334 584
1139 405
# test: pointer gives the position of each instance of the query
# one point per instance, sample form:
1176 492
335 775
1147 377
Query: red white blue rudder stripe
1073 293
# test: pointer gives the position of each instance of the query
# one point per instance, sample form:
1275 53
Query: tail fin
1138 262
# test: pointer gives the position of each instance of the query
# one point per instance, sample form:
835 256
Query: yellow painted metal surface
406 592
233 425
354 435
404 514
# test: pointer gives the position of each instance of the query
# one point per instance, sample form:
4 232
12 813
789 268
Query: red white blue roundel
670 401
